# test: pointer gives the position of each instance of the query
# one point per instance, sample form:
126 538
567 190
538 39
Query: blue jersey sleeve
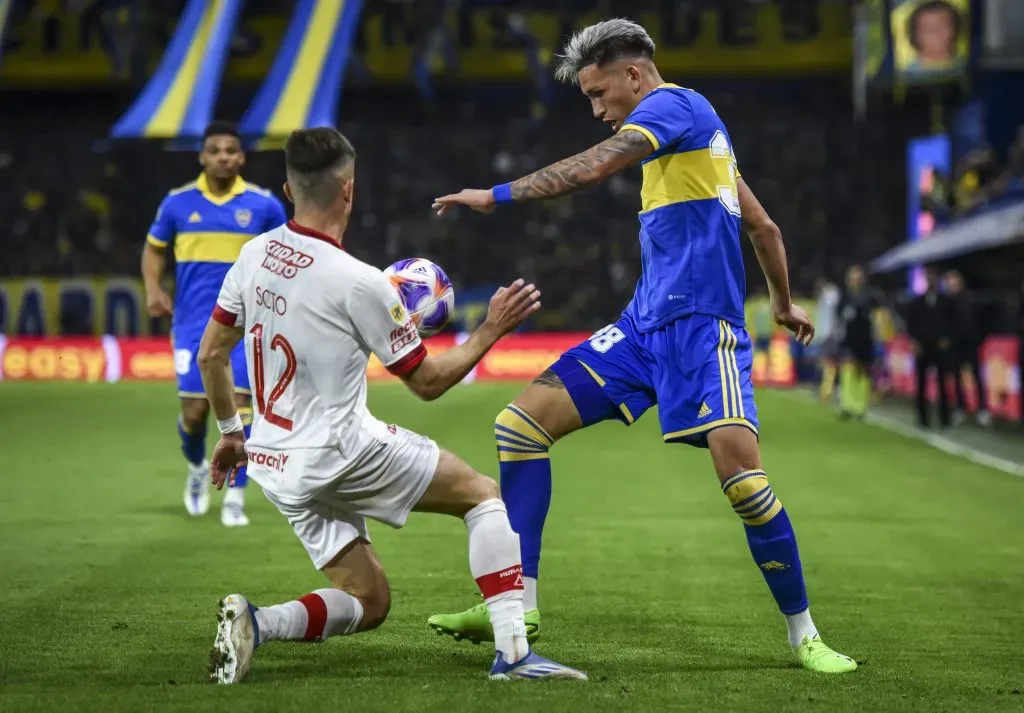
275 214
161 231
664 117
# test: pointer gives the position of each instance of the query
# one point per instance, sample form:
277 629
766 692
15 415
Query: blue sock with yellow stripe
770 537
246 414
525 479
193 445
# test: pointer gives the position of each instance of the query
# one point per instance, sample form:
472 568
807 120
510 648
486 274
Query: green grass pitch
914 562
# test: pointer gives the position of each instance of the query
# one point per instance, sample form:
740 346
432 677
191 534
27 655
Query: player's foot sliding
526 488
493 561
772 542
237 635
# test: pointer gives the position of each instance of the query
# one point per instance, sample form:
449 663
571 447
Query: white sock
234 495
496 566
314 617
529 593
800 625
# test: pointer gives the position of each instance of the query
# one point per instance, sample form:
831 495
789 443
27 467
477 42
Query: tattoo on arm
596 163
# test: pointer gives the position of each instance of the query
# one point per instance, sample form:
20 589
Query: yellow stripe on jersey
688 176
646 132
209 247
155 241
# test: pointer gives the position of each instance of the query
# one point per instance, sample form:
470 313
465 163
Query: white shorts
383 483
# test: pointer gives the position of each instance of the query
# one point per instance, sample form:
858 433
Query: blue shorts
190 381
697 370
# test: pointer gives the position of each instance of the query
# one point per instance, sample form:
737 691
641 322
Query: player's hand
478 200
511 306
159 303
228 456
795 319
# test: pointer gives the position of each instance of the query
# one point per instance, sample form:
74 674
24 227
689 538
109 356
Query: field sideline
914 559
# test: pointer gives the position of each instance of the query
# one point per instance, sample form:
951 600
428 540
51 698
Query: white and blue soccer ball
425 291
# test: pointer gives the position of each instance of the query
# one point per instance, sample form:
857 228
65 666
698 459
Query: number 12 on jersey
265 404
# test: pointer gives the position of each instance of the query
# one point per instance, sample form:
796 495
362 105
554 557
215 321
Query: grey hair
602 43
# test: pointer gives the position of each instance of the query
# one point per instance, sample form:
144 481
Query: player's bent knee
519 436
481 489
751 497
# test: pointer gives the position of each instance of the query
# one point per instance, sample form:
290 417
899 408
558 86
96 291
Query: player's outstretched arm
771 255
510 306
597 163
214 360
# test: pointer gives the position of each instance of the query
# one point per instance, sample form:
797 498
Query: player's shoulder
260 191
666 97
180 199
183 190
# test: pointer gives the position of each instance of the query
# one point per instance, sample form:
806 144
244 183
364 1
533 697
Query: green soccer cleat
474 625
814 655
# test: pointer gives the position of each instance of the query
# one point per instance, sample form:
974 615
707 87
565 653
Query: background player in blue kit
205 222
681 342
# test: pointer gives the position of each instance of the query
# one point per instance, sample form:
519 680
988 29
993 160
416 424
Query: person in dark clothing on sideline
929 322
967 336
857 348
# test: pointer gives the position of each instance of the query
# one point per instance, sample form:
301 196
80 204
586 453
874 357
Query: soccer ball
425 291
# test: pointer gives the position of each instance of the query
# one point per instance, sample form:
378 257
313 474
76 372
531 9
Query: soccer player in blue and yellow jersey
681 342
205 223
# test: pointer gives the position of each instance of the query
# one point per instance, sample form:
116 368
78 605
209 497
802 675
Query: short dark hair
221 127
314 160
931 6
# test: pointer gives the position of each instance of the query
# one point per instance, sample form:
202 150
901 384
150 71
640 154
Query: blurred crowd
981 179
78 205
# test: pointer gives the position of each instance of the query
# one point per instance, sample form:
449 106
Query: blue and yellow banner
762 39
179 98
50 307
304 84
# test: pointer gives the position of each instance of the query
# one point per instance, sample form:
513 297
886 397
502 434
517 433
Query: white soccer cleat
197 489
235 641
232 510
533 667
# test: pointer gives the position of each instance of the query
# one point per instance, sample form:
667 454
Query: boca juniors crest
243 216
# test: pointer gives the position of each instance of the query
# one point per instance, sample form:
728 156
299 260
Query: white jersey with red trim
312 315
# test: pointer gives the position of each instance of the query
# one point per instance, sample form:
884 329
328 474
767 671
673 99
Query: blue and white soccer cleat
237 636
533 667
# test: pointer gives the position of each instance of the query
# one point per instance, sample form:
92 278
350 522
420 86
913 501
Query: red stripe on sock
316 616
495 583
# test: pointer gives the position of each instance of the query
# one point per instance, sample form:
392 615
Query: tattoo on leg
550 379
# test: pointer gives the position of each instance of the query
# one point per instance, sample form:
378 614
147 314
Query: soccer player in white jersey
311 315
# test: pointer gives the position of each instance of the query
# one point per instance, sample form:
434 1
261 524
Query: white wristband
230 425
